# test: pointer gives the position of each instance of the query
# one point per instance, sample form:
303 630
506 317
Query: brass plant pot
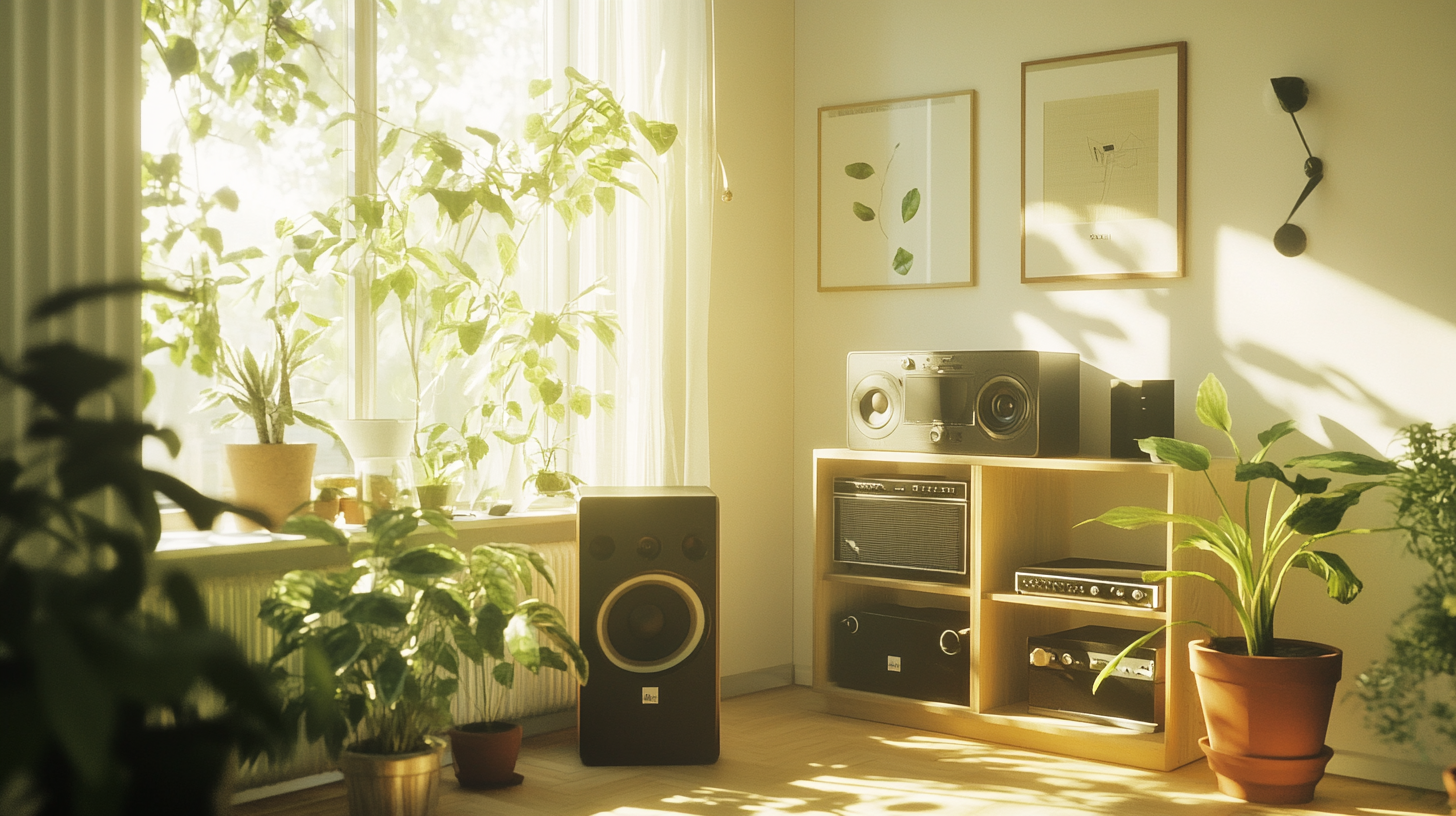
393 784
274 479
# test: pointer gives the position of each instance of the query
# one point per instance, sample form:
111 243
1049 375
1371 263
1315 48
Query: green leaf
902 262
538 87
180 57
1249 471
466 642
199 124
1186 455
910 204
489 137
471 335
658 134
550 390
342 645
1269 437
580 402
1340 580
1321 514
521 641
506 249
859 170
862 212
457 204
427 562
377 608
1212 406
387 145
504 674
389 678
78 705
1355 464
490 630
315 528
606 197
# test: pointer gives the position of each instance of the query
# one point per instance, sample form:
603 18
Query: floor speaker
649 625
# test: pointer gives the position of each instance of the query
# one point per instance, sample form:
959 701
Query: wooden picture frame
1103 187
897 193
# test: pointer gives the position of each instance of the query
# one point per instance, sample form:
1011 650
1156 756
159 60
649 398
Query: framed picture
897 193
1102 165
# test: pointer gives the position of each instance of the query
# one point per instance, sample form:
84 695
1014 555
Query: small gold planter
393 784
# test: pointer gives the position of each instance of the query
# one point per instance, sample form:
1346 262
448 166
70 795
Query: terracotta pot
274 479
1448 778
485 754
439 496
1267 717
393 784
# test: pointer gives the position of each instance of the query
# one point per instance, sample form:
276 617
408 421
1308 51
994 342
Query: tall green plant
1415 684
1289 538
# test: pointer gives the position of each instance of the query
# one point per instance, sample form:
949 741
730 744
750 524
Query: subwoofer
1005 403
649 626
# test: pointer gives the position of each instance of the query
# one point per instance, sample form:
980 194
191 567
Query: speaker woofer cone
650 623
876 405
1003 407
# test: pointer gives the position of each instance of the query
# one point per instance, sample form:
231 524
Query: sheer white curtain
69 173
657 56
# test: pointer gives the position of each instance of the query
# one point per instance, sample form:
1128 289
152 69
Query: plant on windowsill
1412 687
100 698
378 668
446 454
507 630
1266 700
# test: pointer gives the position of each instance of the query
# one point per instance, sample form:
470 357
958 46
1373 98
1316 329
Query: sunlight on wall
1358 357
1121 331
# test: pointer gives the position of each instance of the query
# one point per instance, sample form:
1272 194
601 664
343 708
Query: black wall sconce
1292 92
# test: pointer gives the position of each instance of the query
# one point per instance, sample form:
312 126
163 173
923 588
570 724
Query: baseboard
803 674
1385 769
286 786
736 685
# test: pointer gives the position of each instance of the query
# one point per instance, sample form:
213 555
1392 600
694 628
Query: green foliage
1258 567
903 259
509 627
85 675
448 451
1416 683
377 667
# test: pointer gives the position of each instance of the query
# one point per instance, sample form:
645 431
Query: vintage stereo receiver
1092 579
901 522
1004 403
1064 664
918 652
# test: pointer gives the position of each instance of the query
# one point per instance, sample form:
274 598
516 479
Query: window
404 259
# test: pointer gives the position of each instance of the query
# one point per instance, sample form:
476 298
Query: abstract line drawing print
1100 158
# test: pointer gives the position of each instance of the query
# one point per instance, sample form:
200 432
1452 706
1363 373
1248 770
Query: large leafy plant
511 627
1413 685
1289 539
93 688
377 669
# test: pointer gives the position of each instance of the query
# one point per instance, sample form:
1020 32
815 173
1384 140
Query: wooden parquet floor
782 755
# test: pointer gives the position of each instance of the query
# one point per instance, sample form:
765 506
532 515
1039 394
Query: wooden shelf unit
1019 512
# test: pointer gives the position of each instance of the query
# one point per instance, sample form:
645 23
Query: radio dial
935 434
1041 657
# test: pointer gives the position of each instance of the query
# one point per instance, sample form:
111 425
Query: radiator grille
904 533
232 605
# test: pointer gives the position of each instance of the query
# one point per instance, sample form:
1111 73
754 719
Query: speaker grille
904 533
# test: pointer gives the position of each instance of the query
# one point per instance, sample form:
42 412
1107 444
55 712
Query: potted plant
507 630
378 668
1411 688
1266 700
97 697
445 455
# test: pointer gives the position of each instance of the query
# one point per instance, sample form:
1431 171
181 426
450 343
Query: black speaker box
649 626
918 652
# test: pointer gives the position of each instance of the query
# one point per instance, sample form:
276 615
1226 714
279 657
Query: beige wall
750 342
1353 339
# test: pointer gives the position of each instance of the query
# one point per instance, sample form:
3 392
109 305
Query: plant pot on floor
392 784
485 754
1266 716
273 479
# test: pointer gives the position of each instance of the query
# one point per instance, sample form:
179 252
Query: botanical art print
1102 165
895 193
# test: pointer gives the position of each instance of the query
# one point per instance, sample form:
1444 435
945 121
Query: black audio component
1064 664
1117 413
1092 579
649 626
1006 403
903 522
923 653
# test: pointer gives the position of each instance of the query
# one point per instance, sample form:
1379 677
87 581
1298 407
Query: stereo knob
1041 657
1138 594
851 623
649 547
935 434
907 363
1066 658
1095 590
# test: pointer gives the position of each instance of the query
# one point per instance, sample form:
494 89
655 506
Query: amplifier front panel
915 534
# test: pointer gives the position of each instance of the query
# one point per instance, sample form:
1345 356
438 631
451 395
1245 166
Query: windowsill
219 555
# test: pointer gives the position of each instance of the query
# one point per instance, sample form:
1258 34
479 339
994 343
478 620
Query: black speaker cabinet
649 625
923 653
1005 403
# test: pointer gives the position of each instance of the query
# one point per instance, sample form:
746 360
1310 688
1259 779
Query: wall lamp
1293 93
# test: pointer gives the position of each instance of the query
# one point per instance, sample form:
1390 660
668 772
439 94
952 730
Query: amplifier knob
1118 592
935 434
907 363
1041 657
851 623
1138 594
1095 590
1066 658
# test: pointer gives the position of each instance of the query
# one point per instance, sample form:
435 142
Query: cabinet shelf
1073 605
1019 512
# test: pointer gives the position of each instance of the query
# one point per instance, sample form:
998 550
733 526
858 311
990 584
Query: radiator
232 605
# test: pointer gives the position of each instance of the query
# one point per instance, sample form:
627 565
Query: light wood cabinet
1021 512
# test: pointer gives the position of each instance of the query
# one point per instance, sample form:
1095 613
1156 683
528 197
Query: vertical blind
69 175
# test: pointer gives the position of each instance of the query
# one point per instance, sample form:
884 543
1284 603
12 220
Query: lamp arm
1308 188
